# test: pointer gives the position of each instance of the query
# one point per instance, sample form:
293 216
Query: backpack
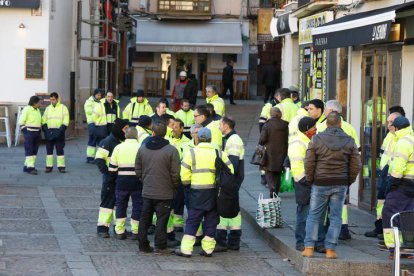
227 190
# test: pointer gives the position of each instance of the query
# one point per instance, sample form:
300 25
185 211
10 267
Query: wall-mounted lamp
22 26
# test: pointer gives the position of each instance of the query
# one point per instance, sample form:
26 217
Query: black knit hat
306 123
401 122
144 121
140 93
97 91
119 124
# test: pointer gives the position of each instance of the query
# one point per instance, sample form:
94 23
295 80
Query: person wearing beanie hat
198 173
144 127
298 145
103 155
91 103
137 106
401 181
178 90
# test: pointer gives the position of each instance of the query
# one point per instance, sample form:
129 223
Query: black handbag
259 156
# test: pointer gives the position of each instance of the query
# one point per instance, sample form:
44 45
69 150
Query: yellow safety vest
99 115
89 106
297 153
402 163
186 117
110 118
288 109
293 125
142 133
56 116
216 136
30 118
179 144
134 110
123 157
219 105
234 146
265 114
388 147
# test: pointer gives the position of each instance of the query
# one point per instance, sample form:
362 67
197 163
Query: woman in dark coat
274 136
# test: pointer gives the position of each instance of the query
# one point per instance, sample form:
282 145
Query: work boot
344 235
32 171
146 249
205 254
90 161
300 247
134 237
380 237
121 236
62 170
162 251
181 254
173 243
220 248
330 254
178 229
233 240
198 241
263 180
25 169
308 252
48 169
376 231
103 235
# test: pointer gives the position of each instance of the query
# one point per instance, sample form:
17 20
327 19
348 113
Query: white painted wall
407 81
290 61
13 42
354 109
61 29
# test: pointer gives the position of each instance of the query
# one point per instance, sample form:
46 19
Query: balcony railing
184 7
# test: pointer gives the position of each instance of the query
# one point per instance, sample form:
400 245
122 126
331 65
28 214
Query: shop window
143 57
232 57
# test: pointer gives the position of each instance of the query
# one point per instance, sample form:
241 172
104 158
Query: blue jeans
321 198
302 212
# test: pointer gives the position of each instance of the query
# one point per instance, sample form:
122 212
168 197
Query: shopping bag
286 182
259 156
269 212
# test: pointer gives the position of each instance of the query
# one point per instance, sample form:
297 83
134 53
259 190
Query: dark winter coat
274 136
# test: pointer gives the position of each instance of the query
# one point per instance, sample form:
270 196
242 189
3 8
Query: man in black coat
228 77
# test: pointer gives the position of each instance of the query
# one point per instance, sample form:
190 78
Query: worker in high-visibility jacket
99 122
137 106
214 99
294 90
89 107
112 109
233 146
387 148
298 144
202 117
103 155
287 106
293 125
198 170
122 169
55 121
186 114
179 141
30 123
334 105
401 195
144 128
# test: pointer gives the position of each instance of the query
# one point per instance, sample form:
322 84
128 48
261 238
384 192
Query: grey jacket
158 166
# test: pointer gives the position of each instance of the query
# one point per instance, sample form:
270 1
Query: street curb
317 266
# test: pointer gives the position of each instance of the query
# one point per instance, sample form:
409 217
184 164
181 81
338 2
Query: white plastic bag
269 212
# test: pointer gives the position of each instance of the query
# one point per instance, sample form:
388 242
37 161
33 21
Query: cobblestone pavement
48 225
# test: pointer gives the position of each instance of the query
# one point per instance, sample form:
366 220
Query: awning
197 37
356 29
31 4
284 24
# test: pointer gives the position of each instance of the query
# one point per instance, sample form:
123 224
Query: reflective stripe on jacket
56 116
219 105
31 119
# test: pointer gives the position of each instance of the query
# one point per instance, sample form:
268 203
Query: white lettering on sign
379 32
189 49
321 41
6 3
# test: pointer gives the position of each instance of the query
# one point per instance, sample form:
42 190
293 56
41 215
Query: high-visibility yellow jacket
297 153
99 115
219 105
234 148
134 110
346 127
288 109
143 133
170 112
198 170
30 119
111 117
89 106
265 114
381 111
293 125
122 165
56 116
387 147
402 163
186 117
216 136
179 144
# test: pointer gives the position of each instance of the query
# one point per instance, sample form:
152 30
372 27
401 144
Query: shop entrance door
381 82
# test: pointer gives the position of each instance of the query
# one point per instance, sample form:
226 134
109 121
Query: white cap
183 74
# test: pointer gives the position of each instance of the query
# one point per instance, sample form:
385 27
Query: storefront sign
308 23
31 4
264 17
34 64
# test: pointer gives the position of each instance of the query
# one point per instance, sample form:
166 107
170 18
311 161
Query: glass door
381 82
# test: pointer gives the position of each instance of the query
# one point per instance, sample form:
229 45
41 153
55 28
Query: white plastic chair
406 227
6 120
